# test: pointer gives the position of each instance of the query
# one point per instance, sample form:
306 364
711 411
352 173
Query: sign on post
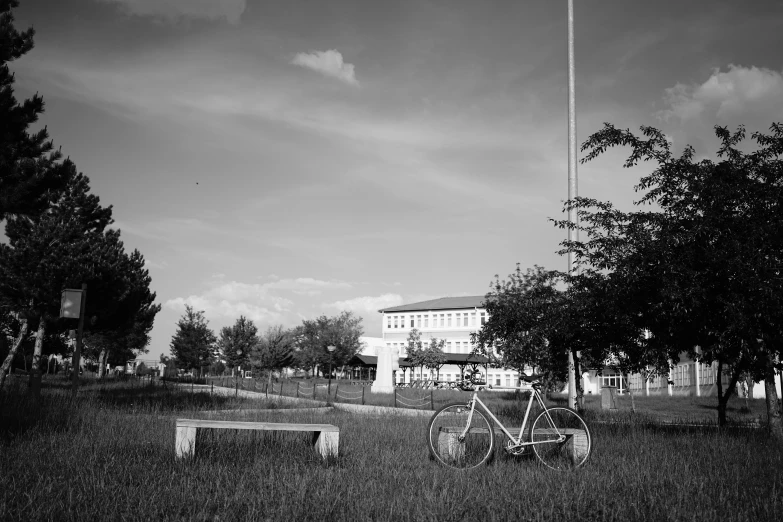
71 303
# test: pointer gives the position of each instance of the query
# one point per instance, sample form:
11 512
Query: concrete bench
576 442
326 437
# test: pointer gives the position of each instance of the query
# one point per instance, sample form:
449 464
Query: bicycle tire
566 455
444 430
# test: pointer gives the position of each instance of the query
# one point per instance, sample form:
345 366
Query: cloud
261 302
175 10
307 285
328 63
368 305
740 91
229 300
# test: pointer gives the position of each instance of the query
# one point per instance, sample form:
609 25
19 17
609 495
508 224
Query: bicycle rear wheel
450 448
546 432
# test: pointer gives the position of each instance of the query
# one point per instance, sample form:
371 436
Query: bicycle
460 435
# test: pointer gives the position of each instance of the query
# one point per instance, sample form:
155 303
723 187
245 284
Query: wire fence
305 391
414 402
349 395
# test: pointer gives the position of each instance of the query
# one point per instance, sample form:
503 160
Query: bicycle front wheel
459 440
561 439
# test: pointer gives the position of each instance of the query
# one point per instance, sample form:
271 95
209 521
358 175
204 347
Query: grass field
110 455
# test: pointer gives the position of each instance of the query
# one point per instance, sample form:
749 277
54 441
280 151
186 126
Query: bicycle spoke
561 439
448 446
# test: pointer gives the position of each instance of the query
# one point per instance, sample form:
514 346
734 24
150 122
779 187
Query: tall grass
103 459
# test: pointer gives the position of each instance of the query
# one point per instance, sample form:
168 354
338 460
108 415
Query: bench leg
449 446
326 442
185 444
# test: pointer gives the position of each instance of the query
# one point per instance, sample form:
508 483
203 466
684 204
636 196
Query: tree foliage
29 172
63 247
701 269
237 341
314 335
193 344
274 349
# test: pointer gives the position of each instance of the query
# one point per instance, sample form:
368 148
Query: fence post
395 396
336 391
297 389
281 388
432 401
266 390
236 388
211 388
363 395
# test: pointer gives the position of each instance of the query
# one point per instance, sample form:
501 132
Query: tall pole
79 334
572 181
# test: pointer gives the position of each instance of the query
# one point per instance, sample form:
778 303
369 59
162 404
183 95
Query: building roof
443 303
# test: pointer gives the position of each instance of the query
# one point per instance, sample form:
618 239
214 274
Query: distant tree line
241 346
697 270
59 236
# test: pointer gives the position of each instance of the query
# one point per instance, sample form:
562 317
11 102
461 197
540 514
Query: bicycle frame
518 440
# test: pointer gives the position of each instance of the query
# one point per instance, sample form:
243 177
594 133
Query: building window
388 322
483 318
442 319
448 320
396 321
412 325
473 319
508 380
426 321
706 375
448 349
418 321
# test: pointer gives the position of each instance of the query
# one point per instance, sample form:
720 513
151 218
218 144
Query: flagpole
572 181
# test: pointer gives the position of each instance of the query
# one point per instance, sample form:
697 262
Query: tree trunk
35 367
104 355
38 351
630 392
580 392
773 410
10 357
723 397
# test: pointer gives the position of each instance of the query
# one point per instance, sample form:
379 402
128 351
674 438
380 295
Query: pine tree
63 247
29 174
67 245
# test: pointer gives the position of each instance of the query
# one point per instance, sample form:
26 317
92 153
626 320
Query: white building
451 319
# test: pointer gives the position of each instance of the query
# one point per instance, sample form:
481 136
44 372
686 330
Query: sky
284 160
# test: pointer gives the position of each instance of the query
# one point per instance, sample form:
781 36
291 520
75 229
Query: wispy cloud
175 10
328 63
261 302
368 305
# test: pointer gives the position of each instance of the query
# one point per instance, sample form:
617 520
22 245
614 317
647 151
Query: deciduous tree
313 336
193 344
702 272
274 350
237 341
